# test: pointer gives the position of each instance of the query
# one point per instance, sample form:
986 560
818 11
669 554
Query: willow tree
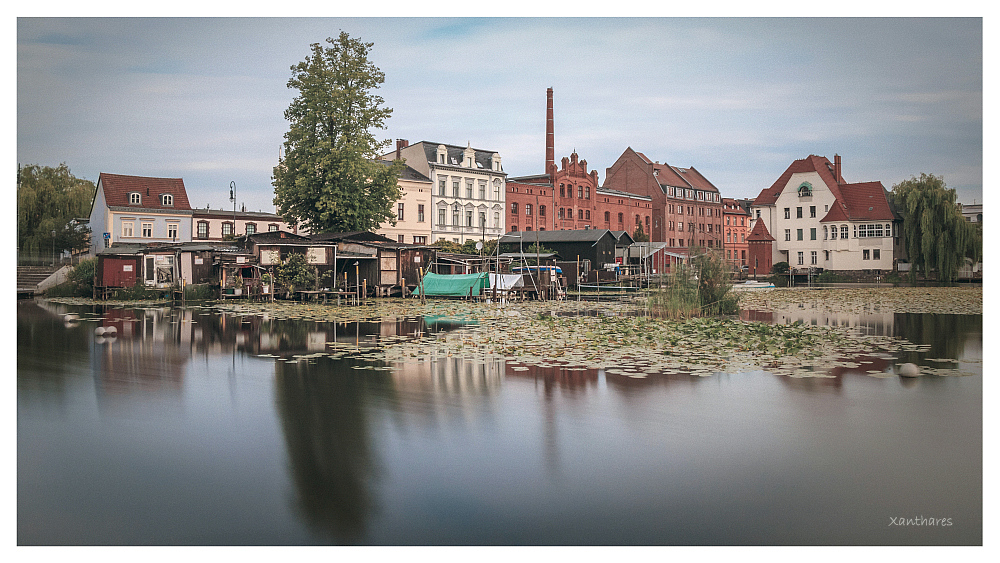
47 199
936 235
331 177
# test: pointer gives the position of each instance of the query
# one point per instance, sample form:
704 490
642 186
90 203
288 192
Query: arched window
805 189
167 200
621 217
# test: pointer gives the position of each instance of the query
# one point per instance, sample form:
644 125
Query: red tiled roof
759 232
812 163
865 201
667 176
117 187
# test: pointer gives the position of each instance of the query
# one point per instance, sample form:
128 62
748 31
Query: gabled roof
865 201
812 163
408 173
759 233
667 176
694 178
117 187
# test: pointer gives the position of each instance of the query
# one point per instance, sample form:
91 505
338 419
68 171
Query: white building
468 189
818 220
139 209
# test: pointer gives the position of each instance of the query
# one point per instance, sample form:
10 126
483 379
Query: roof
759 233
484 159
575 235
222 213
117 187
271 237
866 201
812 163
408 173
694 178
618 193
351 236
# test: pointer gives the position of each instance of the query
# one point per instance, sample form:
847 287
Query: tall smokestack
836 169
550 138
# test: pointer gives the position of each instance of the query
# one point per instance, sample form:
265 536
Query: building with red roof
139 209
736 221
820 221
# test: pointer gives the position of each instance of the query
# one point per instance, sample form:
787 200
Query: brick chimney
836 169
550 143
400 145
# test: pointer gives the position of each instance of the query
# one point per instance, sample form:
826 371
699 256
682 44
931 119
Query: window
801 259
876 254
272 228
454 188
798 212
729 236
541 211
482 219
128 228
562 190
134 198
251 228
824 232
419 240
788 213
482 190
528 228
420 213
468 218
579 192
812 257
441 216
826 255
607 218
758 213
454 215
172 229
798 234
399 211
743 237
167 200
805 189
812 233
468 189
147 230
513 208
680 227
513 228
527 209
442 187
788 234
569 191
843 231
203 229
866 254
227 229
588 192
812 211
399 238
496 219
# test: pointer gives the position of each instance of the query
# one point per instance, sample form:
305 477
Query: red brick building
569 197
759 243
737 226
685 208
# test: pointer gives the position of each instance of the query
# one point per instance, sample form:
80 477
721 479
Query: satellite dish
479 245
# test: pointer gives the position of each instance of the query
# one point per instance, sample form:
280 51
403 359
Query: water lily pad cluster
941 300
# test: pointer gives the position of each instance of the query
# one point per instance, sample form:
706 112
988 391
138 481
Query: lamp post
232 198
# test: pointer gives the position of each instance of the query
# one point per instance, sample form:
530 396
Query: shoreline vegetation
627 338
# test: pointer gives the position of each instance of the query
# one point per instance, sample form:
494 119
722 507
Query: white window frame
128 229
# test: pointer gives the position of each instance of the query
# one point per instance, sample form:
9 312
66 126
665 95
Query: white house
819 220
138 209
468 189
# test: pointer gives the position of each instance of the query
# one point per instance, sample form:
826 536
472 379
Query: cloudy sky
738 99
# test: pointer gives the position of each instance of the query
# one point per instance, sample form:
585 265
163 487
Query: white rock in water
909 370
111 330
99 330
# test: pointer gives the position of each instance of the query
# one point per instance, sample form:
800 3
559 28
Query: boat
751 285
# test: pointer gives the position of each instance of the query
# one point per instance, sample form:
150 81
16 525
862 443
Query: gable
117 190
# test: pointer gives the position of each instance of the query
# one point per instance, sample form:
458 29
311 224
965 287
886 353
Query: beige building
219 224
413 210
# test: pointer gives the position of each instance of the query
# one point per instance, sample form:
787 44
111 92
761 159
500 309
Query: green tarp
454 285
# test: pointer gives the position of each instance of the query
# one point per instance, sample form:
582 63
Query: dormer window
134 198
805 189
167 200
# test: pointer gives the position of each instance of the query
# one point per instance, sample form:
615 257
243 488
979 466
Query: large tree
936 235
331 177
47 199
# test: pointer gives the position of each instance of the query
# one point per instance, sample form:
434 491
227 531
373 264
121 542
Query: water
177 431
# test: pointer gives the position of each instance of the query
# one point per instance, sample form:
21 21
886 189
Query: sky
738 99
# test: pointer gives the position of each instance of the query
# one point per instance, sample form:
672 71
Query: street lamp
232 198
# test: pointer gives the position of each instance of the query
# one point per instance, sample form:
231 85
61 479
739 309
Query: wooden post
402 287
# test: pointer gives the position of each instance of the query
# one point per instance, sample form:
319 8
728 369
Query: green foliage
331 178
639 235
714 284
79 283
469 247
200 292
47 199
779 268
679 299
296 273
830 277
936 235
137 292
445 245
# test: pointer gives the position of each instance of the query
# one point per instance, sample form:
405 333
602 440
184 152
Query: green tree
47 199
445 245
331 178
296 273
936 235
639 235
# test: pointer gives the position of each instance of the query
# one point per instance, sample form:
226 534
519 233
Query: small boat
752 285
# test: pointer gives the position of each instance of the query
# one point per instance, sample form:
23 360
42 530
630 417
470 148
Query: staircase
28 278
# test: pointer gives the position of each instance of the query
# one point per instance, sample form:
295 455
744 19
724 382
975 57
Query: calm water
177 431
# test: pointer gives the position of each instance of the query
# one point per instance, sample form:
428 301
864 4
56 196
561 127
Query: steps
28 277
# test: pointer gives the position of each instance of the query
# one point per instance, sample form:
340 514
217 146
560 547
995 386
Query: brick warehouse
569 197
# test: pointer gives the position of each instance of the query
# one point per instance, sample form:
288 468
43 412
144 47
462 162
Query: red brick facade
686 208
737 227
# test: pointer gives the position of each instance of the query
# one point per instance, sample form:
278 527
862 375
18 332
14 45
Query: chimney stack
400 145
836 169
550 143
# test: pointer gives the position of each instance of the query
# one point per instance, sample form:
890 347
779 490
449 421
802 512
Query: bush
296 273
80 281
780 268
138 292
701 288
200 292
830 277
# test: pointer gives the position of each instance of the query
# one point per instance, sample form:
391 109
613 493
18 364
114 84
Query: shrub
138 292
779 268
700 288
200 292
296 273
